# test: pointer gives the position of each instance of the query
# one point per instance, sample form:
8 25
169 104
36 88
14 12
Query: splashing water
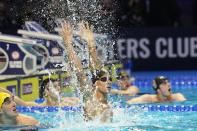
74 11
47 11
52 88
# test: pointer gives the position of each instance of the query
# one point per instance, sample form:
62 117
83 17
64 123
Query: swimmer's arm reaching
27 120
24 103
121 92
87 34
179 97
142 99
132 90
18 100
67 36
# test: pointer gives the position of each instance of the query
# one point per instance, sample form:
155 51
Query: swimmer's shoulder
27 120
179 97
146 98
134 89
149 97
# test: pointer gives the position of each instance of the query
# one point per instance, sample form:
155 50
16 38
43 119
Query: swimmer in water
9 114
95 92
162 87
50 91
125 84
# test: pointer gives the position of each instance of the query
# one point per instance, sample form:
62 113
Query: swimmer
97 104
162 87
125 84
9 114
50 91
94 95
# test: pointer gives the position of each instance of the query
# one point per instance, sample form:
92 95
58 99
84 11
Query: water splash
46 12
74 11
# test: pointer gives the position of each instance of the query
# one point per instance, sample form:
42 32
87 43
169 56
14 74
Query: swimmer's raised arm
67 34
86 33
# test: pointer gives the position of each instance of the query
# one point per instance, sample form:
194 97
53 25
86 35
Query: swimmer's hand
67 33
54 93
86 33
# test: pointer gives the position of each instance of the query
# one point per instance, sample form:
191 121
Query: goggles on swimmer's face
8 100
123 77
104 79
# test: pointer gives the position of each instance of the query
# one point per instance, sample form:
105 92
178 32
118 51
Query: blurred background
153 34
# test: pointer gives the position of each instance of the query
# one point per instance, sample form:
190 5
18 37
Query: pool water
144 117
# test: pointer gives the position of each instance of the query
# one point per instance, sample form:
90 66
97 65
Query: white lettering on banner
182 47
170 48
185 47
193 46
133 48
146 50
56 59
15 64
160 52
121 48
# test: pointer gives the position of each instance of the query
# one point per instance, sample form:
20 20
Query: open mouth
109 88
14 110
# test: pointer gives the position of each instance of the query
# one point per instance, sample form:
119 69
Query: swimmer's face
57 85
124 81
9 107
165 88
104 84
49 93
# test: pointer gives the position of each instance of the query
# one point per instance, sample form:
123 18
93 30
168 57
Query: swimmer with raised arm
162 87
95 93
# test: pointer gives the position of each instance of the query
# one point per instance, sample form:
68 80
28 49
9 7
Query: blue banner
159 48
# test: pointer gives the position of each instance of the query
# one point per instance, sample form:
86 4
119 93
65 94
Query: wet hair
98 74
43 86
158 81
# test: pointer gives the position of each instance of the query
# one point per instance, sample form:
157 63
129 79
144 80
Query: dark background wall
128 19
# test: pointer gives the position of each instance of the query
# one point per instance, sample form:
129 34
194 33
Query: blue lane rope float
47 109
150 108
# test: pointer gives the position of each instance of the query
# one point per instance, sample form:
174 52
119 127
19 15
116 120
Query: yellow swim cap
3 96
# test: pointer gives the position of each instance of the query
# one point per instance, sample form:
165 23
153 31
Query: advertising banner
159 48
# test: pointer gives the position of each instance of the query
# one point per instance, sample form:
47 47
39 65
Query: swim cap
158 81
123 73
3 96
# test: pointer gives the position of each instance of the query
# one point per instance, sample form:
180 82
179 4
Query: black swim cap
97 74
158 81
